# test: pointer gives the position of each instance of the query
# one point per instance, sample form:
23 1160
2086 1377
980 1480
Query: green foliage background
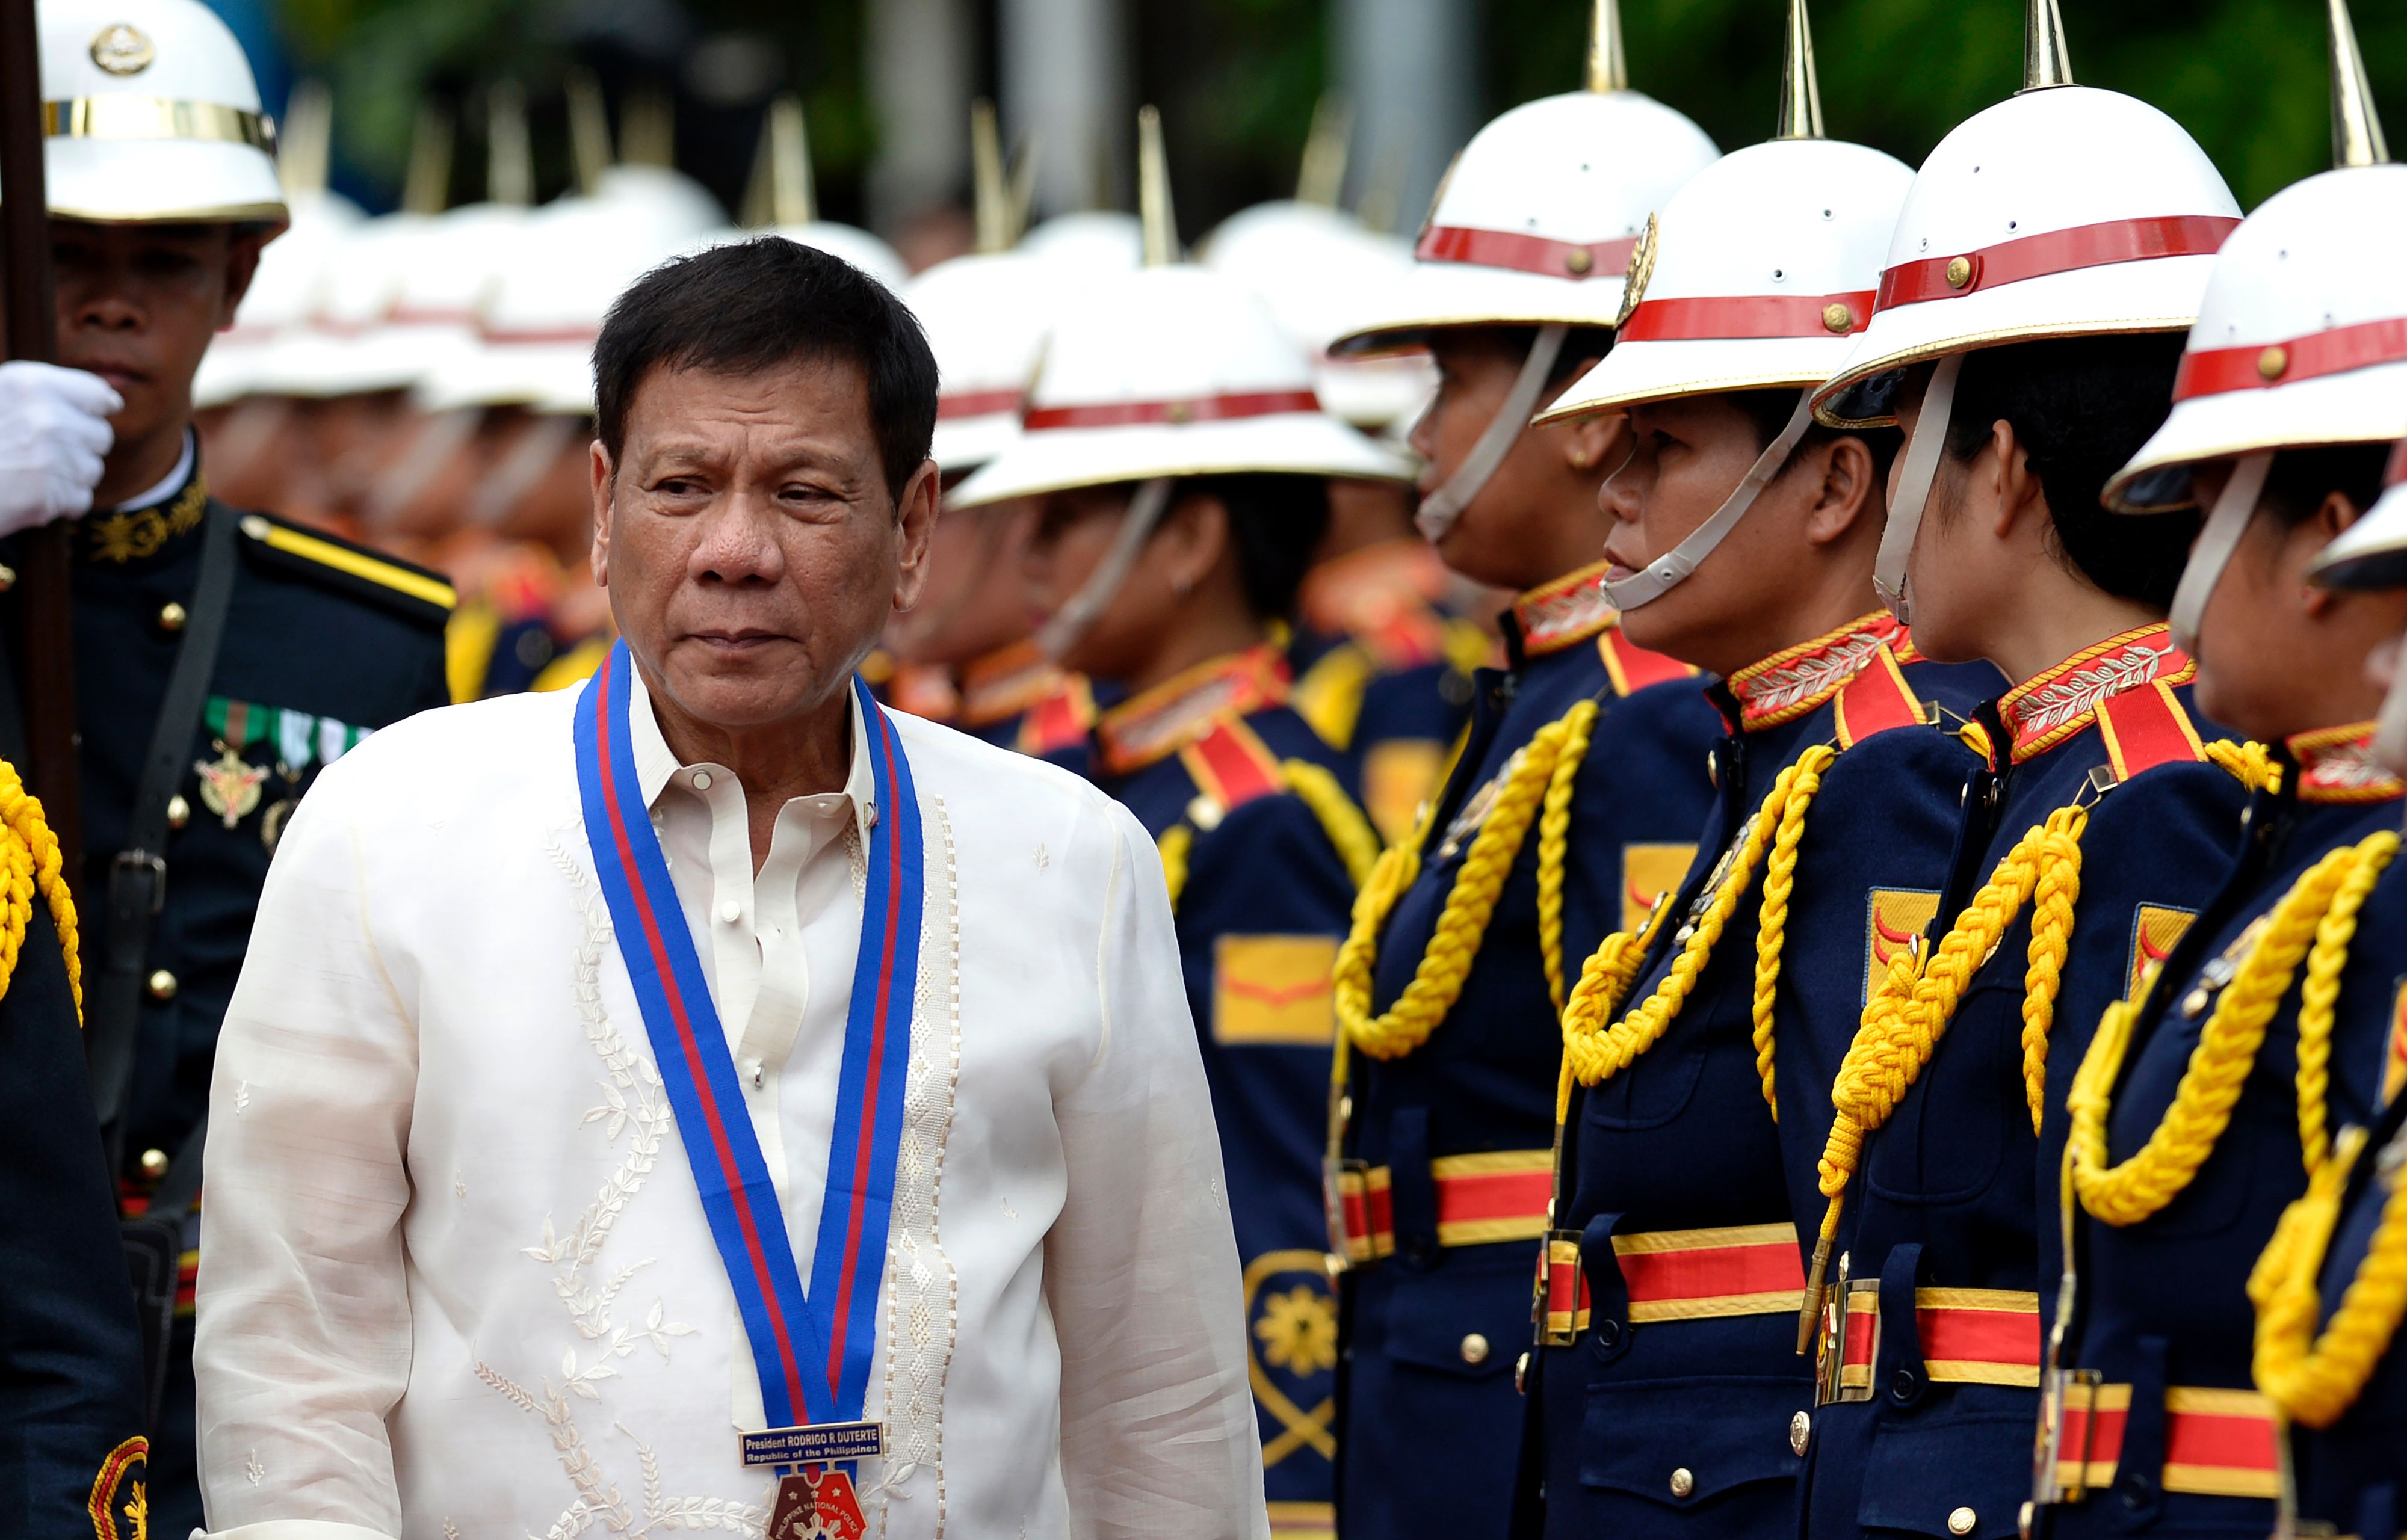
1238 78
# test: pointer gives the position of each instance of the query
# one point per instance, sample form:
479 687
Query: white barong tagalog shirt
456 1281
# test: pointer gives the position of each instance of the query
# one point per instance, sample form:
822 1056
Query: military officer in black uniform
223 657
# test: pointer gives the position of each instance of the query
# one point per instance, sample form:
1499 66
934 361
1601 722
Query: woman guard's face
747 535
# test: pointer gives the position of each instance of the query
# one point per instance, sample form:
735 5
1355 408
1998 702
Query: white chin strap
1440 509
1914 486
1668 570
2211 552
2390 730
1062 632
437 438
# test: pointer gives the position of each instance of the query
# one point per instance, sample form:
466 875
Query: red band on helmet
977 404
2334 352
2057 252
1128 414
1550 258
409 314
537 336
1735 317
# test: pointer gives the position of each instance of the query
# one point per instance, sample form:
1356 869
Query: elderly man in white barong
707 1100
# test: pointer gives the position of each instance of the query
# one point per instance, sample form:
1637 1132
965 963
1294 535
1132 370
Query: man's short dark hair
2082 408
1770 411
757 304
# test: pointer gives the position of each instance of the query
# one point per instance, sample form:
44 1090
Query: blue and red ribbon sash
812 1350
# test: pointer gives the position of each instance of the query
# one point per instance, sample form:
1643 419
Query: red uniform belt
2218 1442
1498 1194
1969 1337
1678 1275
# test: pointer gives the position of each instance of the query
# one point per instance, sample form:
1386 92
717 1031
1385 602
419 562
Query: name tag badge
818 1443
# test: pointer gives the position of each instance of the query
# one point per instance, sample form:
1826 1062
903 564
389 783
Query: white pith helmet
1320 272
314 356
429 317
2301 340
537 329
286 287
151 116
1536 222
1760 269
2301 343
1755 277
2063 211
986 316
1169 371
851 244
1090 241
1214 387
2372 553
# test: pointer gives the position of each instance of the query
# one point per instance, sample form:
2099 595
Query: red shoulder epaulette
1232 766
1875 700
1631 668
2147 727
1058 719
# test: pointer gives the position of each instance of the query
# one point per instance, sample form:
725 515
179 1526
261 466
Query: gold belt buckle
1345 1176
1560 1249
1838 1326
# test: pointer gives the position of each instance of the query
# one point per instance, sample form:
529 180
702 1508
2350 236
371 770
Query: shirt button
171 616
154 1164
1474 1348
1683 1482
1801 1432
701 780
179 811
163 986
1961 1521
730 912
752 1068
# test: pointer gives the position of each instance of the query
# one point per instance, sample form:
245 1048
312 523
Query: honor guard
71 1364
2235 1081
223 657
1572 800
2098 822
1668 1397
1383 653
1179 454
986 316
2331 1290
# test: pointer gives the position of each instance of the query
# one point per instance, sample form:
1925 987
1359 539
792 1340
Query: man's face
747 536
137 306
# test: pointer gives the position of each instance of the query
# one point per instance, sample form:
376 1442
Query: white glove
53 432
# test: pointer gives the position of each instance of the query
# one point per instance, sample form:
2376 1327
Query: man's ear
242 265
1193 539
605 475
2338 512
916 514
1597 444
1851 488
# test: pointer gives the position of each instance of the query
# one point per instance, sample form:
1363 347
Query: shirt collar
1151 727
1570 609
169 487
1794 681
656 762
2337 765
2041 712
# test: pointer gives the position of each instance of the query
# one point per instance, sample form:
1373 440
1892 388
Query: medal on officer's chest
230 784
813 1346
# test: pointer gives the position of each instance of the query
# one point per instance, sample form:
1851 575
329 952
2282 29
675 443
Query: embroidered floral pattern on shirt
634 1107
2337 765
1790 683
2044 712
1570 609
1166 718
922 1291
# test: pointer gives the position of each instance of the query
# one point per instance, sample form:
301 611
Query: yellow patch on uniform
1398 776
1647 872
1274 990
2156 930
1893 917
2394 1054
